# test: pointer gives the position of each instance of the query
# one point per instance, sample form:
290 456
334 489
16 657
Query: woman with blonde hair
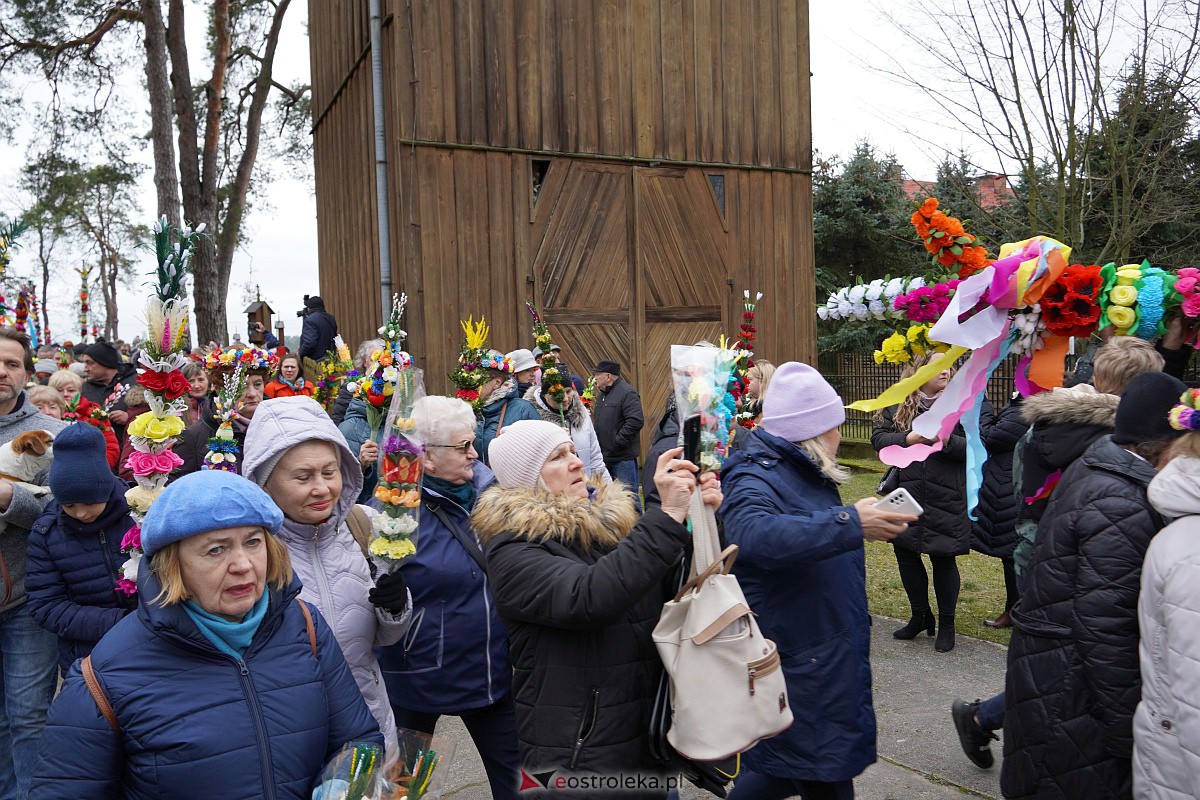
801 557
222 683
939 484
758 378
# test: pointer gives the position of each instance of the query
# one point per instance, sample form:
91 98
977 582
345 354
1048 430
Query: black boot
945 637
921 621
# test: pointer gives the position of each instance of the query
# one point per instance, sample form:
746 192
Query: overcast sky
850 102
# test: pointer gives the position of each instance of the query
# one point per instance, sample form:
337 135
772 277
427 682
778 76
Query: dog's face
32 443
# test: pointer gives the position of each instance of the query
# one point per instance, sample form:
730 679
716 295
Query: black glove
390 593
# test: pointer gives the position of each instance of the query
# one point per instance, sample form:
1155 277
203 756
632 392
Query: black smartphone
691 439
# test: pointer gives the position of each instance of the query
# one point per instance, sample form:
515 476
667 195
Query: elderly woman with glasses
454 658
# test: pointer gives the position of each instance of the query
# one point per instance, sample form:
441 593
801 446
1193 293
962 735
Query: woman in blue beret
222 684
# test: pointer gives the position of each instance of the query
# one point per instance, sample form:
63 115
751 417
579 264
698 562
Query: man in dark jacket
316 336
28 654
617 416
1073 674
108 378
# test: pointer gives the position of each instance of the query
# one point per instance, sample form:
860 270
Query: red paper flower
177 385
153 380
1070 306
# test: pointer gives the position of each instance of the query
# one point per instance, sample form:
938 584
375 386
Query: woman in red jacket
288 381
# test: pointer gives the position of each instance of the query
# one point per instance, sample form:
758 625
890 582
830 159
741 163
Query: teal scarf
231 638
462 493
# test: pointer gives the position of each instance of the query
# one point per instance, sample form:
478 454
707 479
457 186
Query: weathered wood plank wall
631 110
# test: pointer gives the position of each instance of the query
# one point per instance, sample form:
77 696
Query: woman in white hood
1166 725
298 456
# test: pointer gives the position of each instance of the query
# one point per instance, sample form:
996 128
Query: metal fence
856 376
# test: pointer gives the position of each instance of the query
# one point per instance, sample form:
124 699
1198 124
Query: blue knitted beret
204 501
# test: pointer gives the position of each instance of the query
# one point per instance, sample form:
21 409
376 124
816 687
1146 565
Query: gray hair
362 356
191 369
436 417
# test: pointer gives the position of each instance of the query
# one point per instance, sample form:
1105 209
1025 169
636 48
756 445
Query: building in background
631 166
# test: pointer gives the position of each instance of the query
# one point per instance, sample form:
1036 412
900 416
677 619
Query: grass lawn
982 595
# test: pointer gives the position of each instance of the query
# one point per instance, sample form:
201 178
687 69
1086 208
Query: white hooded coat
327 559
1166 725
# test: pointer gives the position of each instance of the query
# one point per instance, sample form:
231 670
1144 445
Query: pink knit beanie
519 452
800 404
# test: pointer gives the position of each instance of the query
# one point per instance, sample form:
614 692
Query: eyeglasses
462 447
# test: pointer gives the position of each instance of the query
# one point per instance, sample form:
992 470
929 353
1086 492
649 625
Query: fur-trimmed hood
605 518
1080 405
574 412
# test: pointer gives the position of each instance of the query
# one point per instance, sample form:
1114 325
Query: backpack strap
98 695
101 699
500 422
467 540
360 528
308 625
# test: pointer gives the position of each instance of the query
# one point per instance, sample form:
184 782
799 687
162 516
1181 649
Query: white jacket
326 558
1166 726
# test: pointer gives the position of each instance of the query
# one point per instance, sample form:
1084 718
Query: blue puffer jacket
511 407
454 657
802 567
71 574
198 723
357 430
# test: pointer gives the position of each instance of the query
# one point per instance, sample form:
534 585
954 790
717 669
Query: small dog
25 457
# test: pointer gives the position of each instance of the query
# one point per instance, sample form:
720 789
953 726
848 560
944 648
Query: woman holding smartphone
938 483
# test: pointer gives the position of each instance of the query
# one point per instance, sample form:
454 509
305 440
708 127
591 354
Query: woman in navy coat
802 566
218 686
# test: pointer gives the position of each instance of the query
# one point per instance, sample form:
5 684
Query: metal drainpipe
381 174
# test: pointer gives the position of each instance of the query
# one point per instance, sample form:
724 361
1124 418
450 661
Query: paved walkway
919 754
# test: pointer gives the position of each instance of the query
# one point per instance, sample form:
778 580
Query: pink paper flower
132 538
1185 285
1191 306
142 464
127 586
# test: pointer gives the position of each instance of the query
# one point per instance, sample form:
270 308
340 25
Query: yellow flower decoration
394 549
158 429
879 359
895 348
1129 274
1122 296
1121 317
476 332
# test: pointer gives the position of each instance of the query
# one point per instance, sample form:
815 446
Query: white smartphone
901 501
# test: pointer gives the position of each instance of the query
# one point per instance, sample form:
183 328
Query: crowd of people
261 639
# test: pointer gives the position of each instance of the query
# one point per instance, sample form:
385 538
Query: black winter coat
994 531
1065 423
71 574
939 484
580 585
617 415
1073 676
666 437
316 335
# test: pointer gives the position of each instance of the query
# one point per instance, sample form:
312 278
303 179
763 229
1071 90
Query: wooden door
684 269
628 261
582 270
